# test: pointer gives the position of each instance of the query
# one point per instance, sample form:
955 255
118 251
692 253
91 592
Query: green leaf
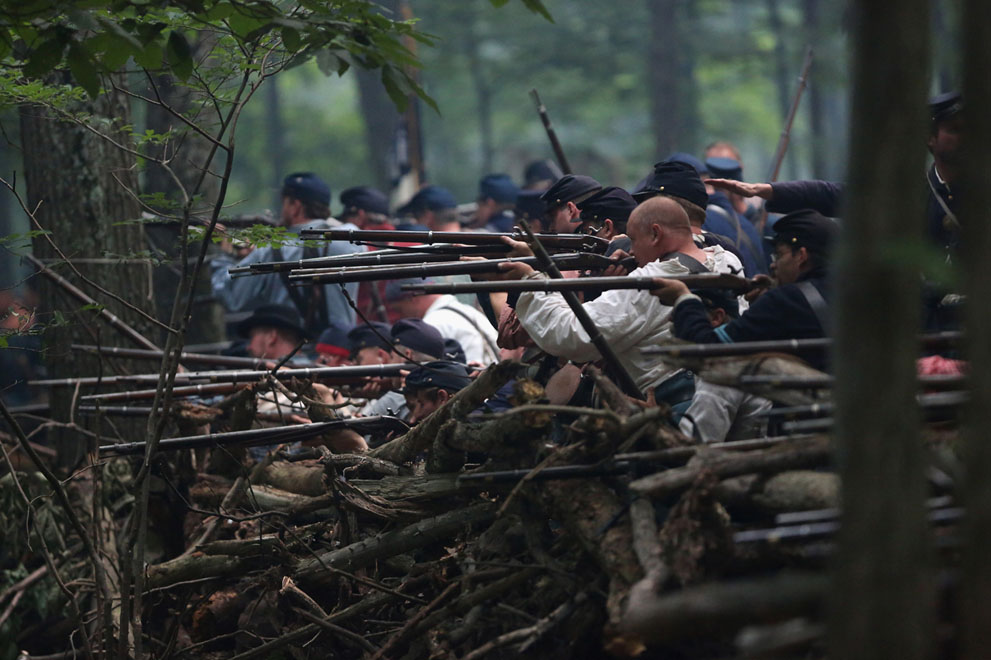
179 55
220 11
243 25
537 7
291 39
45 57
150 57
394 88
84 70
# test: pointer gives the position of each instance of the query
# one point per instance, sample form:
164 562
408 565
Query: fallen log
388 544
785 456
723 607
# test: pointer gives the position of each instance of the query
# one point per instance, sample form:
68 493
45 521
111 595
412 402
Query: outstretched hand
762 190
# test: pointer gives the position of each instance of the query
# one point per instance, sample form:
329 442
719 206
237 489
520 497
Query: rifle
145 411
785 138
713 281
187 358
575 242
207 389
825 381
337 375
104 313
777 346
255 437
575 261
388 257
551 133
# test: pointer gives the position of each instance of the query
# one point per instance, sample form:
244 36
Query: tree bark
976 578
663 57
882 591
81 186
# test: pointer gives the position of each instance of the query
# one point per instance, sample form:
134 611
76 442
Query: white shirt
629 321
467 325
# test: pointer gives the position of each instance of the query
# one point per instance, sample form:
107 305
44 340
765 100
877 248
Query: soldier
496 197
629 320
562 198
723 217
272 331
539 175
365 208
680 181
605 214
432 385
454 319
305 205
434 208
796 309
333 348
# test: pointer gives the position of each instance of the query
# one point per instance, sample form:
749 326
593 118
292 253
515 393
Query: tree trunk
82 185
483 90
275 138
976 574
883 587
663 56
381 120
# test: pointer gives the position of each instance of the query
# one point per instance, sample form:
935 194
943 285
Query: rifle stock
713 281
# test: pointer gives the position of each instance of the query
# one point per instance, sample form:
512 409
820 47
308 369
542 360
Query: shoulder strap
816 302
693 265
493 349
939 198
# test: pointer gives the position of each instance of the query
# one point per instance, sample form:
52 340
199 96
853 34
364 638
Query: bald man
629 320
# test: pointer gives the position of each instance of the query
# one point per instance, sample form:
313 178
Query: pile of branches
545 531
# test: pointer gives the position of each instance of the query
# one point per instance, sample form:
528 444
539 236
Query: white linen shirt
467 325
629 321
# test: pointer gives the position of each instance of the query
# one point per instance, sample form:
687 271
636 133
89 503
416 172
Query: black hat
285 317
570 188
613 203
365 198
442 373
367 335
541 170
529 206
306 187
453 351
499 187
945 106
430 198
806 228
334 340
675 179
418 335
724 168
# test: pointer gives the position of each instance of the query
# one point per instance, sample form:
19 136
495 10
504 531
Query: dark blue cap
365 198
529 206
285 317
724 168
418 335
306 187
674 179
498 187
334 340
806 228
687 159
431 198
453 351
613 203
570 188
441 373
541 170
944 106
373 333
394 288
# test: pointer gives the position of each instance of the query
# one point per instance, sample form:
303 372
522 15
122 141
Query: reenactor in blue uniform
561 199
497 195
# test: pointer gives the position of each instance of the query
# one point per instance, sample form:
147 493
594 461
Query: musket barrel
717 281
187 358
581 242
253 437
